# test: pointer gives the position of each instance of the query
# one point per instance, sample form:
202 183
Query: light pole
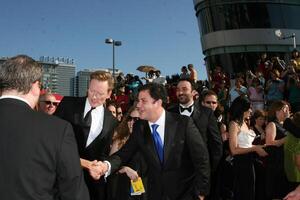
114 43
281 36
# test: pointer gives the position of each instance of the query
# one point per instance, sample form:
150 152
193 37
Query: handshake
95 168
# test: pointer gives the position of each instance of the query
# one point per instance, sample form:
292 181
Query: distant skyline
161 33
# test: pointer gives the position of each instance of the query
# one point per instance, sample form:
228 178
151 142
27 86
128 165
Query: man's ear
194 92
109 94
35 88
159 102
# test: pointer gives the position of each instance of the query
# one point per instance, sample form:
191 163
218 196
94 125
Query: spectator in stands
293 86
274 88
122 99
237 90
296 57
184 73
48 103
256 95
193 73
159 78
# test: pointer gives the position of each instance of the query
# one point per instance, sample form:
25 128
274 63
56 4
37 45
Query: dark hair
156 91
275 106
237 109
206 93
18 73
258 113
122 130
188 80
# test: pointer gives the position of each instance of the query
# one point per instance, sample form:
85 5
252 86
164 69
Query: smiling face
48 104
98 92
148 107
184 92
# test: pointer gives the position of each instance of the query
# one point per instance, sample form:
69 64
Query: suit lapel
79 111
170 130
108 118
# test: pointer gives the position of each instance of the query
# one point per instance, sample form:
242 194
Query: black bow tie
189 109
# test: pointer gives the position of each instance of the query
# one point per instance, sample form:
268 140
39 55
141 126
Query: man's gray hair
18 73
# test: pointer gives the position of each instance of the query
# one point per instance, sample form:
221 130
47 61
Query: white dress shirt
97 121
185 112
14 97
161 125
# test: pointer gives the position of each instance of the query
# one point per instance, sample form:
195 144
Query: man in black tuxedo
93 126
38 152
177 158
203 118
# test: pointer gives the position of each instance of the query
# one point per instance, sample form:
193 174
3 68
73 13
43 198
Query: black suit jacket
185 171
207 125
38 155
72 110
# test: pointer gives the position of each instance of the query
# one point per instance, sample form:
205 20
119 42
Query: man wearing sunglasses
48 103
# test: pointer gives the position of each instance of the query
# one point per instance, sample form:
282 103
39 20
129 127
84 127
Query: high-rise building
59 75
234 33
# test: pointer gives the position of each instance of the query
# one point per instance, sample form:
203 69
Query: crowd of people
229 138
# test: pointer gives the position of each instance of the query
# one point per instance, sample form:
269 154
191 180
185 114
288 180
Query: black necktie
87 121
189 109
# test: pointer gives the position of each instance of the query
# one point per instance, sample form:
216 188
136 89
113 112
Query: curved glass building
234 33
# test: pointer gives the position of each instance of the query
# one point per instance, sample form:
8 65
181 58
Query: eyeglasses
51 103
210 102
133 118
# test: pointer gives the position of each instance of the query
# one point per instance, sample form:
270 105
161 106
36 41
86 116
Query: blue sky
162 33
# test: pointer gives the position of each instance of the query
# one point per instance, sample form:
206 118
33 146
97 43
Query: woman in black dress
277 185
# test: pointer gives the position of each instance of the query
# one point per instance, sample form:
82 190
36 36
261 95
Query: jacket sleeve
199 155
70 179
214 139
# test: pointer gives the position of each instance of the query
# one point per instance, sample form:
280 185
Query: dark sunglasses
133 118
50 102
210 102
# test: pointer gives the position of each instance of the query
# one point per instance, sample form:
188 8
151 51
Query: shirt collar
15 97
161 120
192 103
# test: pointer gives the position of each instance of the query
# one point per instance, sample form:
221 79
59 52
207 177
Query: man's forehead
184 83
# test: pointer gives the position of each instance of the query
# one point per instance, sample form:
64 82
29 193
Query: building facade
59 75
234 33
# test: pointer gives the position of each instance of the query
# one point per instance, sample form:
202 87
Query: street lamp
281 36
114 43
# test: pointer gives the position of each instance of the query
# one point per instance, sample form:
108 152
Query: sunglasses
210 102
51 103
133 118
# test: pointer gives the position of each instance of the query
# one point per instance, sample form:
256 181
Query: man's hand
98 169
201 197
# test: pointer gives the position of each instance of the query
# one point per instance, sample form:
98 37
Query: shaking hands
95 168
